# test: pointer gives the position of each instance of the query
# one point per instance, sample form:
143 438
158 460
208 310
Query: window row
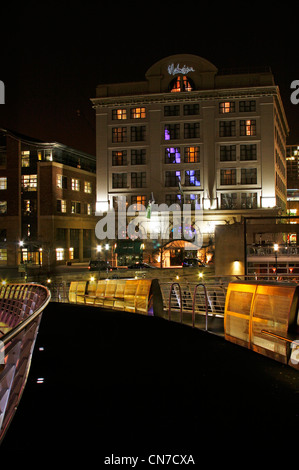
187 130
224 107
228 176
232 200
238 200
42 155
133 113
244 106
171 155
242 127
228 153
75 184
247 127
172 179
137 134
189 109
75 207
138 180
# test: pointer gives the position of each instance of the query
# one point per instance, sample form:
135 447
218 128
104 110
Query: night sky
52 59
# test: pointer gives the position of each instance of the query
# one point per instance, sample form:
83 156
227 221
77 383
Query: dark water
124 383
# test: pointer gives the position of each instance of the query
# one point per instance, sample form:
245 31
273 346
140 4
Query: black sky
53 58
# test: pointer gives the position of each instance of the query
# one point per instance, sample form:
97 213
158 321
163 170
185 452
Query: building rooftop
60 153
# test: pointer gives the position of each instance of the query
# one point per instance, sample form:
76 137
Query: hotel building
190 133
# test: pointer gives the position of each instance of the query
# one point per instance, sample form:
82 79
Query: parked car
98 265
192 263
139 266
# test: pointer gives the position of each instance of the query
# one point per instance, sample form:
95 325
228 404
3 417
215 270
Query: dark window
227 128
227 153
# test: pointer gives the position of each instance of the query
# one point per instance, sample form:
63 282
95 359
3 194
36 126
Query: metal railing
21 306
188 304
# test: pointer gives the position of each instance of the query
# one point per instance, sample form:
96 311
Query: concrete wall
229 250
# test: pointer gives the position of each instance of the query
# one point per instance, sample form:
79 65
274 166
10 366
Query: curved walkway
118 382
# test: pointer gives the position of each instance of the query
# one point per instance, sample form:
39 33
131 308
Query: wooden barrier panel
262 316
131 295
238 306
142 298
100 293
119 302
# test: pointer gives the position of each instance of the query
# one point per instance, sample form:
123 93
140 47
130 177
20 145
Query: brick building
47 203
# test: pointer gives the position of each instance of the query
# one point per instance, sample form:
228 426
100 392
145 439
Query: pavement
121 383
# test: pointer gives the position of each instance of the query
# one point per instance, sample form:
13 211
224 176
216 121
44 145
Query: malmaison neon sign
172 70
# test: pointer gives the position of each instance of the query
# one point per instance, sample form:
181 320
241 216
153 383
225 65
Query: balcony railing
269 250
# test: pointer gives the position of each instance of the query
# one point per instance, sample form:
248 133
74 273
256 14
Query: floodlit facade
192 134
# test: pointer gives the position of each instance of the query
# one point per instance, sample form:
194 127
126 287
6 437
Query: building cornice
194 96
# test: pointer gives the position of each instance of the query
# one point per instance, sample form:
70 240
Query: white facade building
190 133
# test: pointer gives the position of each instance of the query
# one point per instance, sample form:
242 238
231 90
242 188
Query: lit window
76 207
119 114
61 205
119 134
88 209
24 254
228 176
75 184
59 254
3 183
138 113
171 131
29 182
192 177
25 158
27 208
248 127
227 107
172 178
61 182
71 252
87 187
172 155
3 255
48 155
192 155
181 83
119 157
139 202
